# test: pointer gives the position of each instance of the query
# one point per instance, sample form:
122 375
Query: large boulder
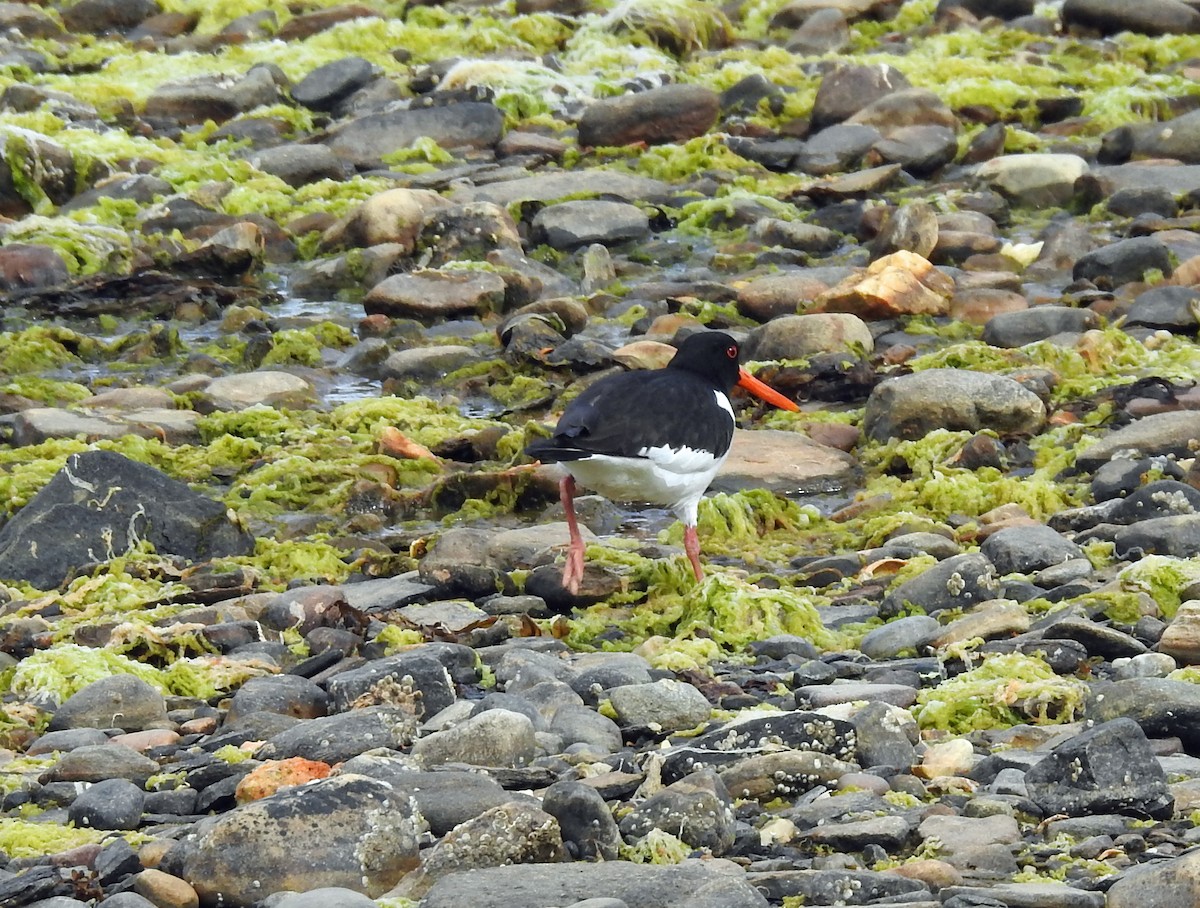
101 505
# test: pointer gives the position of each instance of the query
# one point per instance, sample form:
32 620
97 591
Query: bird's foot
573 570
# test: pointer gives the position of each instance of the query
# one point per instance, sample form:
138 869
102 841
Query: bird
657 436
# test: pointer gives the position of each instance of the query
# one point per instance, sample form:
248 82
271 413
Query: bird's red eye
731 351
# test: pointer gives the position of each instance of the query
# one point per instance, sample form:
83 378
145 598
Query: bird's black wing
629 413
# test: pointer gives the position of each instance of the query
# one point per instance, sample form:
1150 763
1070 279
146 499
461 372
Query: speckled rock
347 831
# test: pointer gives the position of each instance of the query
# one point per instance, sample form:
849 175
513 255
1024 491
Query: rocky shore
288 289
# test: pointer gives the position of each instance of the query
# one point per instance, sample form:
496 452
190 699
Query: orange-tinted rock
276 774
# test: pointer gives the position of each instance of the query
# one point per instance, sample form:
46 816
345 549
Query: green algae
293 346
25 839
85 248
1164 579
655 847
67 668
395 639
231 754
751 523
279 562
1005 690
721 615
47 391
930 485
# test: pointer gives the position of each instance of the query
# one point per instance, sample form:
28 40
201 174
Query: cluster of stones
492 767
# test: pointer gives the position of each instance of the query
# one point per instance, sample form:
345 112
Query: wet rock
1155 17
1023 550
217 98
836 148
269 387
431 294
122 701
327 86
898 636
1033 180
473 231
902 283
29 21
784 462
568 225
1005 9
829 886
825 31
427 677
497 737
550 187
102 762
588 830
692 884
426 362
696 809
1123 261
1169 308
100 17
850 88
885 735
672 113
957 582
111 804
1181 639
361 142
348 831
1015 329
1157 885
289 695
667 705
139 503
1177 536
35 166
334 739
912 227
24 266
512 833
799 336
920 150
298 165
786 774
911 406
325 897
1107 768
1160 433
1162 498
445 798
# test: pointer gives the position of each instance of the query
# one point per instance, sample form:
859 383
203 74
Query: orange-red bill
764 391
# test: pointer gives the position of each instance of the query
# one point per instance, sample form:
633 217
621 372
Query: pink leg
573 570
691 545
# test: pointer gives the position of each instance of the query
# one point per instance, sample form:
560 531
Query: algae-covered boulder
101 505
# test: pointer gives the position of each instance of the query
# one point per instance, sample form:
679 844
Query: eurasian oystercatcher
656 436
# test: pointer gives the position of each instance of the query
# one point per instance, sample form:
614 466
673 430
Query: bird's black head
710 354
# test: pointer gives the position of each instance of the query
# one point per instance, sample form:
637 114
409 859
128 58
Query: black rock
588 829
957 582
111 804
324 87
1109 768
1163 498
101 503
1123 262
1022 550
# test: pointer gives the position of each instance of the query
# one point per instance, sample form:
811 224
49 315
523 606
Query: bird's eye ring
731 351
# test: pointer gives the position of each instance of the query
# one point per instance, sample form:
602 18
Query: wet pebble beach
286 290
